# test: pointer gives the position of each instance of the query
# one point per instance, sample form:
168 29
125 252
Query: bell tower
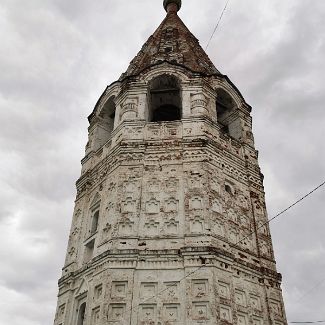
169 220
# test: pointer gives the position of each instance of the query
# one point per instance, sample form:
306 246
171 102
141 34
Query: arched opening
228 189
94 222
107 119
224 105
89 251
82 314
165 99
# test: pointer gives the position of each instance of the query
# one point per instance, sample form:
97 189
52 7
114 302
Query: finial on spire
172 5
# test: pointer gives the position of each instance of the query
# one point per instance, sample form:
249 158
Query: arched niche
225 104
165 102
94 214
107 118
81 320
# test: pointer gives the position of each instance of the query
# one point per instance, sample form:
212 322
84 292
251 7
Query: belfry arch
107 115
225 105
165 102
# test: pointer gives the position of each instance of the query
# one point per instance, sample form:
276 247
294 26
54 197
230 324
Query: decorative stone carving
126 227
148 289
255 302
232 215
199 288
153 185
171 227
225 313
152 228
243 201
171 205
98 292
95 317
196 203
242 319
233 236
119 289
276 307
257 320
172 289
224 290
197 225
128 206
129 109
200 310
240 297
148 314
152 206
219 228
216 206
116 313
198 104
130 186
172 184
171 312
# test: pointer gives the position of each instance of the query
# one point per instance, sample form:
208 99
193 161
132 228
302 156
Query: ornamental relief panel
171 184
245 240
153 185
116 313
197 225
147 314
218 228
232 216
128 205
215 185
200 311
200 288
130 186
242 201
171 313
151 228
129 109
195 180
216 206
171 227
171 205
119 289
171 292
152 206
126 227
199 103
196 203
163 131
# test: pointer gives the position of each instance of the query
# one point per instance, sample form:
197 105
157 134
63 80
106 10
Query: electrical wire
319 321
270 220
283 211
215 29
312 289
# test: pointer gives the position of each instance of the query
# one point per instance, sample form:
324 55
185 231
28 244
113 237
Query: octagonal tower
169 220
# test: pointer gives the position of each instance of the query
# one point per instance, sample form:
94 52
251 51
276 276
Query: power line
270 220
312 289
319 321
215 29
285 210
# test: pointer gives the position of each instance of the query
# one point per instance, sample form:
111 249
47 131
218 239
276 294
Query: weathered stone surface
169 222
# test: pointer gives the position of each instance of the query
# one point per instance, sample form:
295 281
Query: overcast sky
56 58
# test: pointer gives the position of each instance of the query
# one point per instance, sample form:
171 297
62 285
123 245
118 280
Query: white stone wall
181 207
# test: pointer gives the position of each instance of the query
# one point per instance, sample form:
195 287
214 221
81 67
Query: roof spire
172 5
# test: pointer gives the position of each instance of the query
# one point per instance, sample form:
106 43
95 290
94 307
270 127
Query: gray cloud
57 57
